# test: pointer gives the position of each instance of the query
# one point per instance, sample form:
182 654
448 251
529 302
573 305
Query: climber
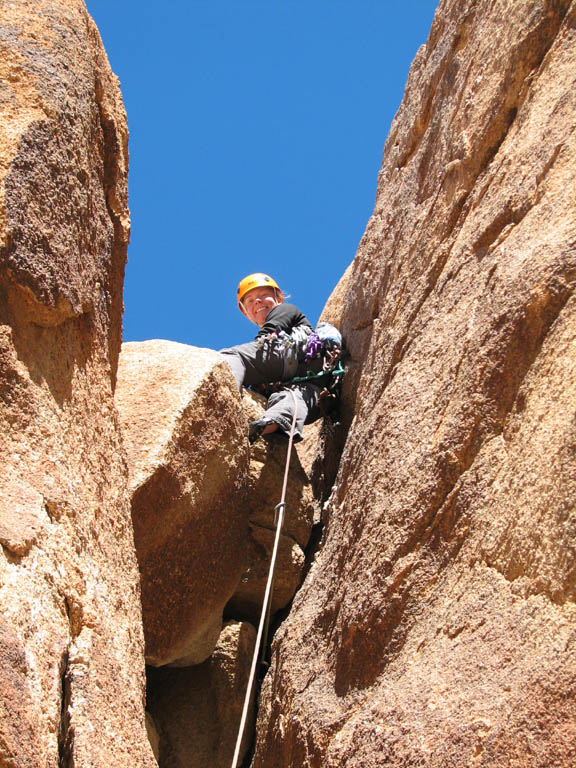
285 347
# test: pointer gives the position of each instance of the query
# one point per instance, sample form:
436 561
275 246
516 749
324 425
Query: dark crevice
314 546
111 151
508 122
328 454
323 475
65 737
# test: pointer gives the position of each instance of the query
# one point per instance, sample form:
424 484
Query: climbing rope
279 510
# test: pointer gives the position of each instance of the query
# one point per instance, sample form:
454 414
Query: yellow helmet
257 280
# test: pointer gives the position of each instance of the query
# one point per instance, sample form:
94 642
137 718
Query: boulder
185 437
71 642
436 625
198 709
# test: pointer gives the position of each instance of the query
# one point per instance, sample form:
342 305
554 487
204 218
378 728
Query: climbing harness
322 346
261 637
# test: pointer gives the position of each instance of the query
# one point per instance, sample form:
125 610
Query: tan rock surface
185 436
71 643
264 491
436 626
332 312
198 709
248 598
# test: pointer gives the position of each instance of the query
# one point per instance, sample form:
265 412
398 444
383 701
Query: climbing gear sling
262 635
322 346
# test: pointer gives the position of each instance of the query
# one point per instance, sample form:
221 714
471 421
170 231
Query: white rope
280 508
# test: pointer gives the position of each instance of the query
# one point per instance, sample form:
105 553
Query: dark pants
255 363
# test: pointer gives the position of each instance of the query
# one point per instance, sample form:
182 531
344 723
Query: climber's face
258 302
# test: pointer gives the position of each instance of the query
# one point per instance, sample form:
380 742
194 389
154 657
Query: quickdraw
310 376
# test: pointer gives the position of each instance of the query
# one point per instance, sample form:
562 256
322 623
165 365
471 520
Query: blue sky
256 136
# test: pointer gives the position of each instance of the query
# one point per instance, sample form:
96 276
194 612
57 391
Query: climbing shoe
255 429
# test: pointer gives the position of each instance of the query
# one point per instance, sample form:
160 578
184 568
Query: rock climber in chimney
286 355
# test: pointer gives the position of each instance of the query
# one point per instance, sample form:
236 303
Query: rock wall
71 644
436 625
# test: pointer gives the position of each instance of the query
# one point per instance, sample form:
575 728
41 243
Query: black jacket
284 317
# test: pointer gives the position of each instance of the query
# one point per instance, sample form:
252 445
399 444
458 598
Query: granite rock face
185 435
71 642
436 625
